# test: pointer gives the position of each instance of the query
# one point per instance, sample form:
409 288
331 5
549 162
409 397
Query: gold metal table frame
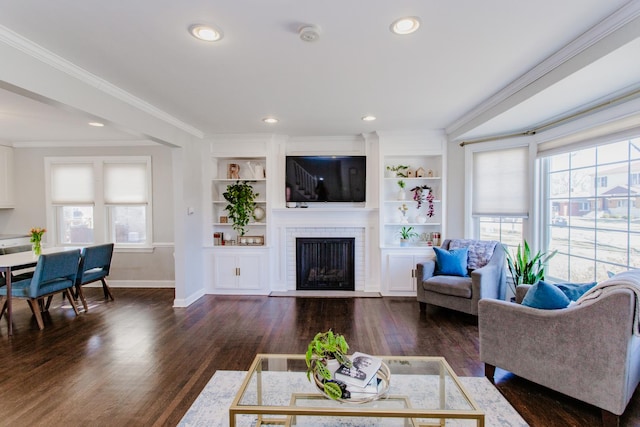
399 403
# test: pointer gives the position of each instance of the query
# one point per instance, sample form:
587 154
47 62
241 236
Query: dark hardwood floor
138 361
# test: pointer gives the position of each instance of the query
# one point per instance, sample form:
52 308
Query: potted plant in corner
526 269
406 234
241 198
325 347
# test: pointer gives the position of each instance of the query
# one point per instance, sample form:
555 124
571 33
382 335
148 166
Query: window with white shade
100 199
499 193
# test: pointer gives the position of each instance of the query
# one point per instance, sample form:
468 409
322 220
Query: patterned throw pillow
480 251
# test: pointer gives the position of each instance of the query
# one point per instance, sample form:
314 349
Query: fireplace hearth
325 263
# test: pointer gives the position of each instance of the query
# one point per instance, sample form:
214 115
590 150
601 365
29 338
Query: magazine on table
366 391
361 372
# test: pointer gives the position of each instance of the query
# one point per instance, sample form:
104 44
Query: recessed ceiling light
405 25
270 120
368 118
205 33
96 124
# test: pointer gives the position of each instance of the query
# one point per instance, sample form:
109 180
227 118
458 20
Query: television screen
326 178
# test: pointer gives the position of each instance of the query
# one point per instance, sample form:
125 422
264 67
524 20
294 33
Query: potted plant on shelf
526 269
326 347
399 171
406 235
241 198
401 193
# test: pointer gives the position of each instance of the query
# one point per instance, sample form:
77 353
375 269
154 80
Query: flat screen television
326 178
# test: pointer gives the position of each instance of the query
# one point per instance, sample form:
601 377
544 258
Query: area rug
211 407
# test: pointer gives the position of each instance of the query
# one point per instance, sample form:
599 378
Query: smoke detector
309 33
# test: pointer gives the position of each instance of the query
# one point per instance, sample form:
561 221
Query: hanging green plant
241 198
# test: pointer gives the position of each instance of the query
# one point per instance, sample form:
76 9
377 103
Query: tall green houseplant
241 198
525 268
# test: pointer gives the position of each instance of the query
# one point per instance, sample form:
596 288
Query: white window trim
102 233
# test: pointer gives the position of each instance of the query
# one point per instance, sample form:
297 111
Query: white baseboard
186 302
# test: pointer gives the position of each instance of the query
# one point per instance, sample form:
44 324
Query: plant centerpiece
422 193
241 198
525 268
323 347
399 170
36 239
406 234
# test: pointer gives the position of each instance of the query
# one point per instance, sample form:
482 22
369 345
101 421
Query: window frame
104 229
599 226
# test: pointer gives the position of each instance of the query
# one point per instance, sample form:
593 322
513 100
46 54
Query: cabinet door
250 270
225 271
401 271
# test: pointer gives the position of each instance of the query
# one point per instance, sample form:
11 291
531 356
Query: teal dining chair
95 263
54 273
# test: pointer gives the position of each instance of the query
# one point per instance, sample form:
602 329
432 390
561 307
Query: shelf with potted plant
229 175
420 206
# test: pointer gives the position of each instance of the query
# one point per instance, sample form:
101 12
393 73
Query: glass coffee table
423 391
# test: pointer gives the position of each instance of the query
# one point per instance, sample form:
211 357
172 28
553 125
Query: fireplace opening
325 263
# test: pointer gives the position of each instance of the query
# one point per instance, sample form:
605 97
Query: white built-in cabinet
401 271
239 271
236 264
6 178
424 156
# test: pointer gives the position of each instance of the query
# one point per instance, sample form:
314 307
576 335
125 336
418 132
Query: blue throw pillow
451 263
574 291
545 296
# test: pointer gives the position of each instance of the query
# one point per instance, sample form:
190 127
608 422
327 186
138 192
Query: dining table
20 261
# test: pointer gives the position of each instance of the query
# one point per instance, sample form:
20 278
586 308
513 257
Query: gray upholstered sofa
462 293
589 351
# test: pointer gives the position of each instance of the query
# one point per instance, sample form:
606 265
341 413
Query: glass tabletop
420 389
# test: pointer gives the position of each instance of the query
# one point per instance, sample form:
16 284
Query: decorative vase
404 243
401 194
258 213
421 219
36 247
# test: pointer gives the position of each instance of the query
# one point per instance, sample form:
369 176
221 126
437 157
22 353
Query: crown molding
620 22
78 144
45 56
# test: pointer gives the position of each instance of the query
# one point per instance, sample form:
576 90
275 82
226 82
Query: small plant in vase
401 193
422 193
36 239
406 235
325 347
399 171
403 212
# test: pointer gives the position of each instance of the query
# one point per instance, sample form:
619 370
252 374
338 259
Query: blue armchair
95 263
54 273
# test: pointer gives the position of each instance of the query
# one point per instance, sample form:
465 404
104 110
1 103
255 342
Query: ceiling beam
30 70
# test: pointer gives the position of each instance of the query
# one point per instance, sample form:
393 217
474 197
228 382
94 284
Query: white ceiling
464 52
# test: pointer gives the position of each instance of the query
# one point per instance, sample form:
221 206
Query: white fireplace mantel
359 223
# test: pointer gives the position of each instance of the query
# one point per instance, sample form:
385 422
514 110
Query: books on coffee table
361 372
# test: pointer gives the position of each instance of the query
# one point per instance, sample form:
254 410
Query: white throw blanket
625 280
